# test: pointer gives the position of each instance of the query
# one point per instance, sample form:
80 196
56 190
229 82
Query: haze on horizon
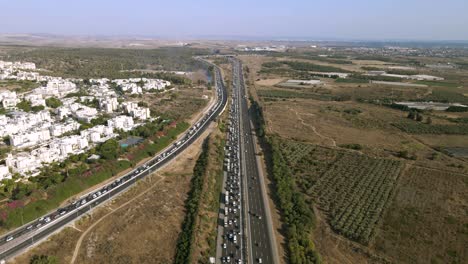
321 19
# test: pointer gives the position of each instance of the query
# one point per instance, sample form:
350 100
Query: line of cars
249 168
233 225
145 169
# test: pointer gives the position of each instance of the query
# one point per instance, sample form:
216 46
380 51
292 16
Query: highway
231 242
260 235
246 232
30 233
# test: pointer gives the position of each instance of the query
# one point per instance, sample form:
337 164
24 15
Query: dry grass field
426 223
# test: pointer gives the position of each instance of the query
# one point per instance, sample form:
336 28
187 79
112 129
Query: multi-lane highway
25 236
246 233
260 249
232 248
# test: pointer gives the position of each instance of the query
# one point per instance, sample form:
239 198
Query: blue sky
319 19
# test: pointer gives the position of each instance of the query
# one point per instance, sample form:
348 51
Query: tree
42 259
53 102
429 120
419 117
142 104
109 149
24 105
411 115
37 108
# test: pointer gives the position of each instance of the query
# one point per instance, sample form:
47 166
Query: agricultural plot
422 128
285 94
354 193
352 189
307 162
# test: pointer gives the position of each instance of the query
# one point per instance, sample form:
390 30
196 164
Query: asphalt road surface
29 234
259 234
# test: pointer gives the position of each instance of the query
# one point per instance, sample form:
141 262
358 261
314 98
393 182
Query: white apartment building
135 111
56 87
79 111
22 162
9 99
109 104
27 76
62 128
121 122
4 172
98 133
35 99
21 121
30 138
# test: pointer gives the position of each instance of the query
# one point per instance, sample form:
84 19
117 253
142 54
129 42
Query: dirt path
83 235
332 141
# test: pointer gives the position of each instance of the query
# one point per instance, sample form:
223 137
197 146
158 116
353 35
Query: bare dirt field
269 82
136 232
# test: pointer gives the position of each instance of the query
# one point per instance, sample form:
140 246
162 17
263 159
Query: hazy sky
320 19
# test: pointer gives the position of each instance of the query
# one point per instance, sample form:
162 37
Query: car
224 245
9 238
29 227
260 260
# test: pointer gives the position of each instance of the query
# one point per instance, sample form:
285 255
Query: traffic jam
232 246
96 197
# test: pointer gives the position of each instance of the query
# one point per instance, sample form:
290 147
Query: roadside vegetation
192 205
298 215
206 229
299 218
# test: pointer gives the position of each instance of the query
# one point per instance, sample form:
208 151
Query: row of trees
192 204
415 115
299 217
